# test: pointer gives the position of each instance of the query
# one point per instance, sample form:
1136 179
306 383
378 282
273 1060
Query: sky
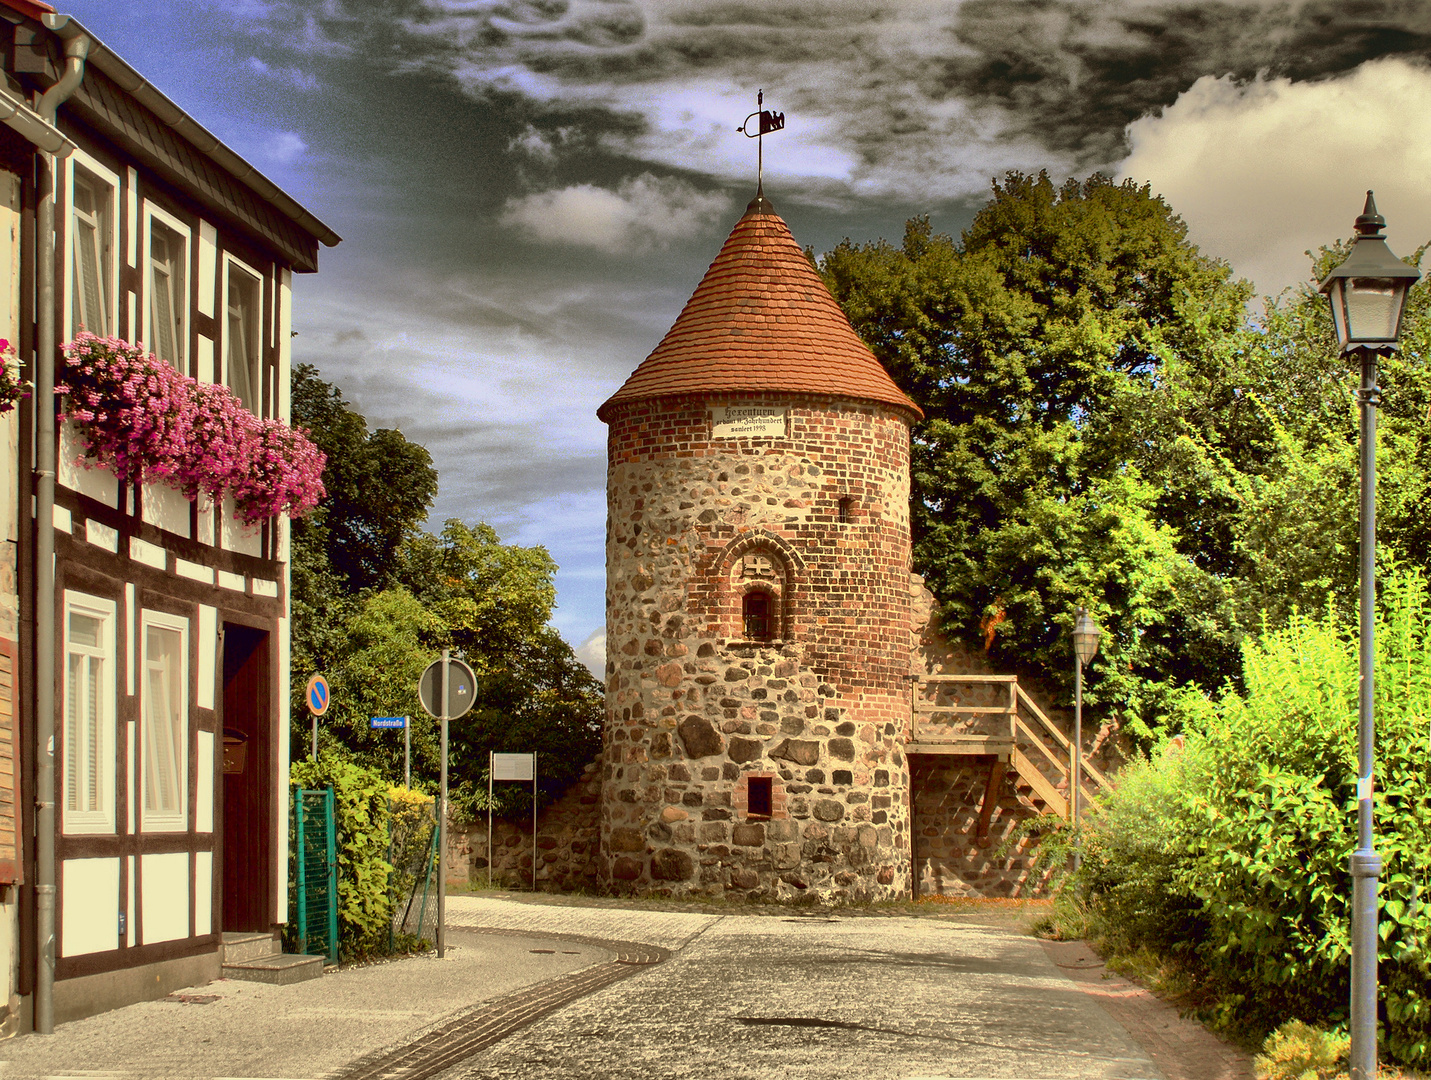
529 190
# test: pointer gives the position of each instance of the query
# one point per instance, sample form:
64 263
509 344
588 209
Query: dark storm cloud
1075 74
899 98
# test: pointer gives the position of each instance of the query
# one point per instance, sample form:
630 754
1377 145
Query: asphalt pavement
572 991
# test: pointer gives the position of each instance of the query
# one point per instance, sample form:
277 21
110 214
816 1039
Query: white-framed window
164 722
89 714
243 322
166 255
92 238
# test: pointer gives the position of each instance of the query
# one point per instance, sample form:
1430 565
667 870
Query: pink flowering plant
12 386
145 421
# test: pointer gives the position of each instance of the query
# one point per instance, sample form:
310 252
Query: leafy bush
1233 850
361 816
1298 1051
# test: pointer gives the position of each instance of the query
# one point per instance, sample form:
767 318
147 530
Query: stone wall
568 840
951 858
699 715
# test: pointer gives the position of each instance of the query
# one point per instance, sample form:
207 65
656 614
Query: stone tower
758 633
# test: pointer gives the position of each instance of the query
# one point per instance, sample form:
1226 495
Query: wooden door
248 795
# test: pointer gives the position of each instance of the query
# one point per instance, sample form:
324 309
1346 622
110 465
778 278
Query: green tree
380 486
495 600
1033 344
375 599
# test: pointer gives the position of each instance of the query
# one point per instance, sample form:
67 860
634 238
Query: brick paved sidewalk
1182 1048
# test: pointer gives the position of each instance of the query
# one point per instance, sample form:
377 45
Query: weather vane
769 121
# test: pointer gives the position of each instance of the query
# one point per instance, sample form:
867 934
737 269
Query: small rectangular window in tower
755 607
758 793
845 504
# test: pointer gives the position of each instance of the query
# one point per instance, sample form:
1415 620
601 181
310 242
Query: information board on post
514 766
511 767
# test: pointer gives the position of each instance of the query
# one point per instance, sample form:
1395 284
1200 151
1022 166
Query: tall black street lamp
1085 648
1367 294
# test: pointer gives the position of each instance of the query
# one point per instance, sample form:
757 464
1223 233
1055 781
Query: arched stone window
758 579
754 591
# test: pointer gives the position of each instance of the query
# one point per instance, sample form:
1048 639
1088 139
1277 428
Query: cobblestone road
552 990
667 929
761 996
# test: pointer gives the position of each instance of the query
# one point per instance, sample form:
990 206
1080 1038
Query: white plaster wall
208 644
204 784
167 508
236 536
164 896
203 893
89 906
98 483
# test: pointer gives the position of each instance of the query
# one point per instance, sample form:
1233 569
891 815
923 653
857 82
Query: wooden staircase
991 714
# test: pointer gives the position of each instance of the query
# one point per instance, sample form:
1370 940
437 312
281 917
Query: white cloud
1265 170
289 75
592 653
643 212
538 144
285 147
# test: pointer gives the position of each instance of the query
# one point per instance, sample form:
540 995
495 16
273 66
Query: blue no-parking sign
317 695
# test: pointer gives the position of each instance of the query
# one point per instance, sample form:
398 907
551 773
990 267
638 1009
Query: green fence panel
317 868
412 886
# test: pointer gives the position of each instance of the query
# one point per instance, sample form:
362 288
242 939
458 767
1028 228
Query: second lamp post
1085 648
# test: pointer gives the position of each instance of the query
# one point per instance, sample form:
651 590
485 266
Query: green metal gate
317 867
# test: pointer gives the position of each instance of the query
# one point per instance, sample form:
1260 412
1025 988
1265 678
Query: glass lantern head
1085 637
1368 290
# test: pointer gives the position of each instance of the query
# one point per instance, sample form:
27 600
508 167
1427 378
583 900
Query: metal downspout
76 49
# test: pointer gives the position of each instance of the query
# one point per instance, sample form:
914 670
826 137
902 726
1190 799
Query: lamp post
1085 648
1367 294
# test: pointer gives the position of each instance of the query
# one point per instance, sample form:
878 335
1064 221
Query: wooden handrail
969 678
1032 736
1061 740
983 710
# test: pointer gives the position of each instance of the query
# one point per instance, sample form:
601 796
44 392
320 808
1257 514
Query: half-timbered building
169 630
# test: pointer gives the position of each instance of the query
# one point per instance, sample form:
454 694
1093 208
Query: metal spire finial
769 121
1370 223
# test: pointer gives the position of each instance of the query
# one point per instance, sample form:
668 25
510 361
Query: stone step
278 968
244 945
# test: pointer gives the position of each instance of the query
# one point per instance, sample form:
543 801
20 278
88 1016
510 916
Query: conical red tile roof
761 320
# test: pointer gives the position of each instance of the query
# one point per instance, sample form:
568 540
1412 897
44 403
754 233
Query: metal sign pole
442 825
490 791
534 821
314 755
407 752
